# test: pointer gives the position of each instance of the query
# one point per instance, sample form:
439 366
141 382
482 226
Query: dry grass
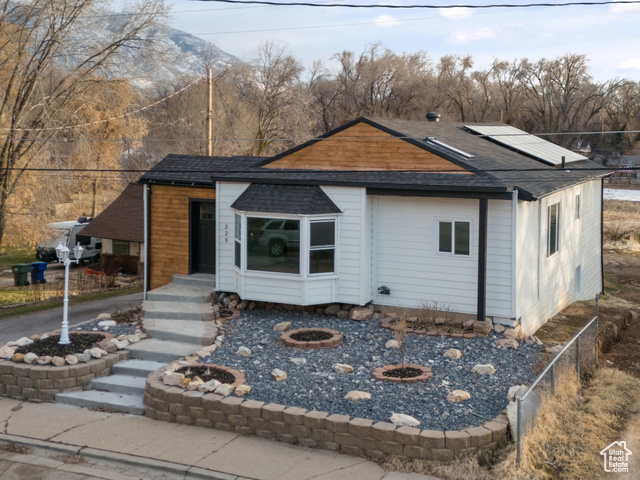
621 225
571 429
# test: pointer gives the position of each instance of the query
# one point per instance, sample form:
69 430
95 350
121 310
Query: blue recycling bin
37 272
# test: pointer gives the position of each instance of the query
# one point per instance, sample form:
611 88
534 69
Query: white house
482 219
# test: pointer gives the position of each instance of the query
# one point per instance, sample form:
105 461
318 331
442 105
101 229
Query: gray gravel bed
315 385
119 329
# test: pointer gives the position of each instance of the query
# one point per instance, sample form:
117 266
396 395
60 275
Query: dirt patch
14 448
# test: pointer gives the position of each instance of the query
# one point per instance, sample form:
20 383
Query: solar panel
528 144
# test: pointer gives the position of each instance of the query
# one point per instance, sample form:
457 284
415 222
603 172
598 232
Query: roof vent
433 117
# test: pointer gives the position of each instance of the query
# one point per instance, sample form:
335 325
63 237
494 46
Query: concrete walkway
185 450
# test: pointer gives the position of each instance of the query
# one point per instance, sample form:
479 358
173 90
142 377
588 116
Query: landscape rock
110 347
225 389
107 323
120 344
468 324
360 314
515 332
242 390
440 321
184 383
298 361
515 392
71 359
30 358
194 384
343 314
342 368
23 342
508 343
45 360
356 395
278 374
392 344
482 328
83 357
401 420
282 327
243 352
18 357
96 352
483 369
58 361
104 316
498 328
7 352
458 396
242 305
453 353
532 340
332 309
173 379
209 386
135 338
512 416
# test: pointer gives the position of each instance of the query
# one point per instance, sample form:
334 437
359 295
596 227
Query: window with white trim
454 237
237 243
121 247
553 229
274 245
322 246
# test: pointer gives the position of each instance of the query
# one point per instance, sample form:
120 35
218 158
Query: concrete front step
196 279
186 331
177 310
181 293
161 350
118 383
136 368
118 402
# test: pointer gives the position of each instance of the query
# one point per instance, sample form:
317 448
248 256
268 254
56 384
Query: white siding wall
226 193
499 259
547 284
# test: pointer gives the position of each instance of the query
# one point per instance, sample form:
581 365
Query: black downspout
482 260
602 232
147 245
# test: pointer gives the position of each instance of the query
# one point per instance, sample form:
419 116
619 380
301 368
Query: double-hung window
322 246
553 229
237 243
454 237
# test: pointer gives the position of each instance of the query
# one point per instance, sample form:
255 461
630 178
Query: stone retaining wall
354 436
40 383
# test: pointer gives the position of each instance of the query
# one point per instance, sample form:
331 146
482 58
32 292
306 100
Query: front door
203 237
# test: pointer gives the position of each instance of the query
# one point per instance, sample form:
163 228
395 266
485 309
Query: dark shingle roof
496 169
295 199
123 219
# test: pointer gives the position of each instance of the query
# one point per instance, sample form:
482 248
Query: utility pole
210 116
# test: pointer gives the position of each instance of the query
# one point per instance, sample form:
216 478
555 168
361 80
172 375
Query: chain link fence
579 354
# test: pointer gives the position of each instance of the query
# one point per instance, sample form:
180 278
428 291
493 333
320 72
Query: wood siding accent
365 148
169 230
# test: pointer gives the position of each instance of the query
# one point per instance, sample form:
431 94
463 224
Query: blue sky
608 34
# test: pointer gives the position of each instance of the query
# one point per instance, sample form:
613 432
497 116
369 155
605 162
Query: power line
418 6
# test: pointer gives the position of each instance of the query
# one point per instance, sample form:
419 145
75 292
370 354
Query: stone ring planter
295 338
380 373
239 377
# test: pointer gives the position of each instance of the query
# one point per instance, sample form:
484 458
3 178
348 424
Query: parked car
68 233
279 235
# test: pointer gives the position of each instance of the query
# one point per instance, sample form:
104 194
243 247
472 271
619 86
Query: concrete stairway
179 318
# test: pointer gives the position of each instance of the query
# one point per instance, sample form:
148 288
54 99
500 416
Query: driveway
12 328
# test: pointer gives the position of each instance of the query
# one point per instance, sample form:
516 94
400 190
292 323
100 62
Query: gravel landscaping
313 384
115 330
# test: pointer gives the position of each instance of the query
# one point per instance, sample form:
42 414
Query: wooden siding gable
364 147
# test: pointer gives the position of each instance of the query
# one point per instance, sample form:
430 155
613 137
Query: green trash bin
21 274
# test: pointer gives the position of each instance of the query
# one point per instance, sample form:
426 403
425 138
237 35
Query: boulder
107 323
392 344
18 357
298 361
135 338
225 389
342 368
343 314
104 316
356 395
83 357
332 309
194 384
242 390
468 324
7 352
282 327
209 386
516 391
172 379
403 420
482 328
452 353
243 352
184 383
278 374
120 344
23 342
483 369
508 343
498 328
35 337
360 314
30 358
242 305
44 360
96 352
109 347
71 359
58 361
458 396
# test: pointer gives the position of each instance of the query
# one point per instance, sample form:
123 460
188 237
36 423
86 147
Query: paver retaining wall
40 383
354 436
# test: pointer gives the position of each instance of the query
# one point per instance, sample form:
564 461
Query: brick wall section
353 436
40 383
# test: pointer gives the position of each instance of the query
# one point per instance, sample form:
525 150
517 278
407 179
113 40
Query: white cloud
387 21
631 63
455 13
625 7
461 35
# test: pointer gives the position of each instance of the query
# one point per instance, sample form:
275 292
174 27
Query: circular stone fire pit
407 373
311 338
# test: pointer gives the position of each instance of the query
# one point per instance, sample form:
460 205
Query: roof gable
364 146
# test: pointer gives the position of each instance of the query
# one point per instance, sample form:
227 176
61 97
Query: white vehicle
68 233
